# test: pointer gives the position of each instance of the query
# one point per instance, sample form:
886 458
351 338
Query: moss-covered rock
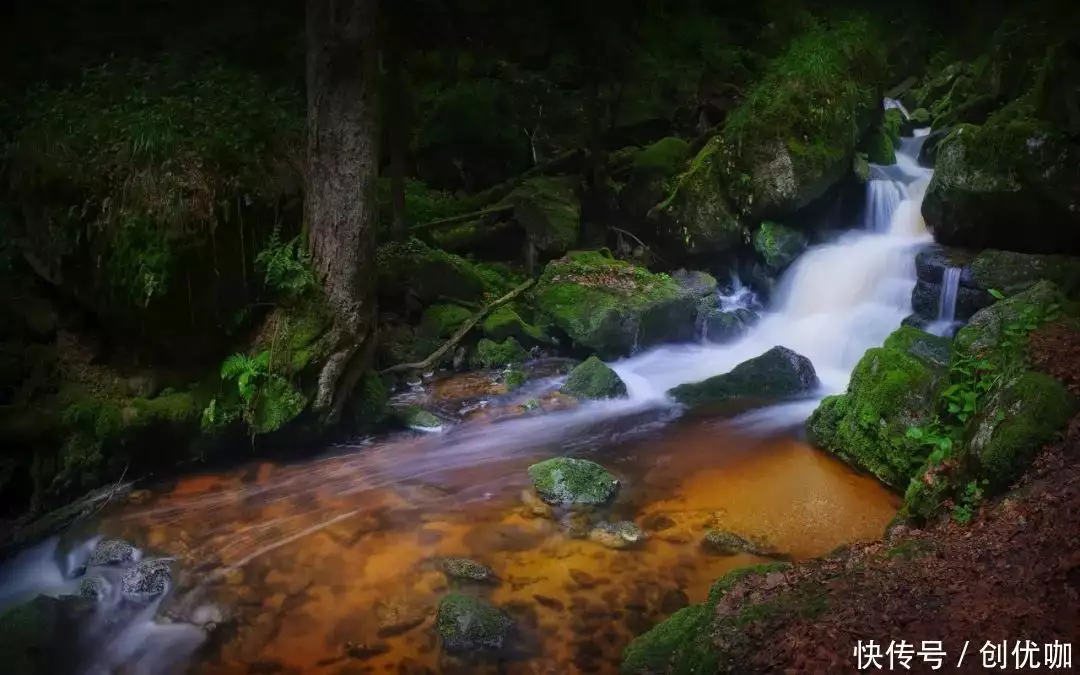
431 274
879 148
611 307
415 417
1022 417
514 379
1011 273
491 354
550 211
568 480
778 244
1006 185
777 374
467 623
892 388
697 215
719 542
618 536
985 330
683 643
504 322
696 283
719 326
593 380
652 175
440 321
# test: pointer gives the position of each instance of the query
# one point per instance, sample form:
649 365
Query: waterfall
894 103
946 321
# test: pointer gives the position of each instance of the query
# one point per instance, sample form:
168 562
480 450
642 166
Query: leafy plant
969 501
286 265
267 400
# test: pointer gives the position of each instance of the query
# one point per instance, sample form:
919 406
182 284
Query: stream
330 565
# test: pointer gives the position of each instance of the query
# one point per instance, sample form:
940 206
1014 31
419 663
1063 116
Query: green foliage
267 400
969 501
143 160
286 266
423 204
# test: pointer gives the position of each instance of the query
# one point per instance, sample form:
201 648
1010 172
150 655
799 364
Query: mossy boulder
1010 272
611 307
467 623
721 326
594 380
491 354
430 274
572 481
1022 417
879 148
696 283
892 388
619 536
1006 185
504 322
698 216
985 330
415 417
775 375
549 210
720 542
683 643
778 245
440 321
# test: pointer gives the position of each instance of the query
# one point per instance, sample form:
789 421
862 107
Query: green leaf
997 294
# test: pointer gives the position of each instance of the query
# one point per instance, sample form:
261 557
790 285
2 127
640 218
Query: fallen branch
643 244
439 353
430 225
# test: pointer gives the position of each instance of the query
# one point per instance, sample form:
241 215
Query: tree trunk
342 169
398 137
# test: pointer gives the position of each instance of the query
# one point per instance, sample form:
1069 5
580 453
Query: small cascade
892 103
883 195
738 296
946 321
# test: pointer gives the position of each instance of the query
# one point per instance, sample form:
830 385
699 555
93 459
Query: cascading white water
950 287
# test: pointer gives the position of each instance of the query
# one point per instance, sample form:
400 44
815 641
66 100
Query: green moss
467 623
698 214
985 330
778 244
514 379
683 643
931 349
879 149
1012 273
432 274
415 417
367 405
440 321
490 354
663 157
778 373
890 391
1025 415
549 210
505 323
593 379
568 480
607 306
920 117
891 124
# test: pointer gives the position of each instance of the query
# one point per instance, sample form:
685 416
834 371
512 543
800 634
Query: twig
643 244
504 208
439 353
113 491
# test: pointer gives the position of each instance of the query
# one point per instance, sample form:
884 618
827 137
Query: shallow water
308 560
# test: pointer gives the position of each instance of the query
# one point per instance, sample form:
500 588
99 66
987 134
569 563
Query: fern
267 401
286 266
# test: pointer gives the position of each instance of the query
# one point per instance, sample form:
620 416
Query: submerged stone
415 417
620 535
594 380
777 374
569 480
94 587
467 623
719 542
466 569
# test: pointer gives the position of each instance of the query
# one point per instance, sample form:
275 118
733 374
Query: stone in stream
467 623
94 587
720 542
466 569
148 579
593 379
620 535
415 417
572 481
775 375
399 616
113 552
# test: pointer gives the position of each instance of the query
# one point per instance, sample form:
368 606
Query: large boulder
467 623
611 307
1006 185
892 388
1023 416
1010 272
698 216
549 210
777 374
986 329
491 354
572 481
411 267
652 175
594 380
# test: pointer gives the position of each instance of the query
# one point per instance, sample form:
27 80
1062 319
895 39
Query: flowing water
946 321
329 566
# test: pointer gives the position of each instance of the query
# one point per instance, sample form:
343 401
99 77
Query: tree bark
342 169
